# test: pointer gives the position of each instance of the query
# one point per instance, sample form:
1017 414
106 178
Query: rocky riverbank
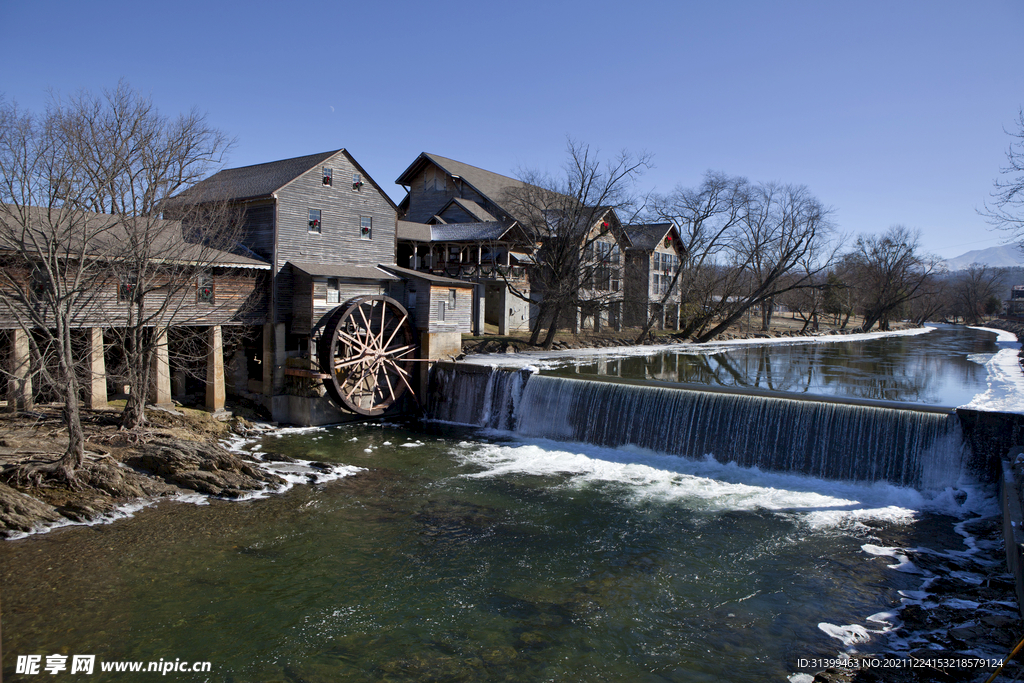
962 617
178 454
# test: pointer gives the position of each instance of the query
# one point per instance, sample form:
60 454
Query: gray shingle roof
342 271
491 185
467 232
259 180
108 233
647 236
414 232
429 277
473 209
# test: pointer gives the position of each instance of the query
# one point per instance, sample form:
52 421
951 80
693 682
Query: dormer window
328 176
314 221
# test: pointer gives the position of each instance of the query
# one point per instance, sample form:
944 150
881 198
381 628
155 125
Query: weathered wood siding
316 302
432 188
258 228
240 298
339 240
457 319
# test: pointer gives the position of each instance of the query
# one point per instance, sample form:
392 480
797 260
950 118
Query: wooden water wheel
367 350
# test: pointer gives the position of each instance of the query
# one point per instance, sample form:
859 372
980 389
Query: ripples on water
468 556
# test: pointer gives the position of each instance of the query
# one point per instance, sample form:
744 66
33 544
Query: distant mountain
1006 256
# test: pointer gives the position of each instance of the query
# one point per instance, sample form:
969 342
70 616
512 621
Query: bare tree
55 256
889 271
85 187
1006 210
972 290
134 161
708 217
568 218
745 245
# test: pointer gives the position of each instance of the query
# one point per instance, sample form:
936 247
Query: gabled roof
491 185
647 236
472 208
263 180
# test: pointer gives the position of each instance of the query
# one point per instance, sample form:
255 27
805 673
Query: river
469 554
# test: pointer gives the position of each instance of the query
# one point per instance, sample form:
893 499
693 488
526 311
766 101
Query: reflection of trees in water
914 368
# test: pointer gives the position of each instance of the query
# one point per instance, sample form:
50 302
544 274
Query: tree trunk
138 361
74 456
549 340
767 308
535 334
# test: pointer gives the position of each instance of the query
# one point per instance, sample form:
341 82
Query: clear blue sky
891 112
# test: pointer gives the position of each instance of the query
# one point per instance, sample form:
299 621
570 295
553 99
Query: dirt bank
178 453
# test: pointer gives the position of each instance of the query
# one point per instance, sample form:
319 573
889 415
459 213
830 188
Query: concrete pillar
96 384
503 314
479 309
616 313
661 316
160 375
280 357
215 370
576 315
597 320
679 309
19 388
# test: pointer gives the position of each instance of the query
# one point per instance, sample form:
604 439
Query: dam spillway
853 441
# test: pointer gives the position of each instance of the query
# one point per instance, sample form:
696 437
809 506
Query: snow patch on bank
549 359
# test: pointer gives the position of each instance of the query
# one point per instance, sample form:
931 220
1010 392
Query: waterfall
822 439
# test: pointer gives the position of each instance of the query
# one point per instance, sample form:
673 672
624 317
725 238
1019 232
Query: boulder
22 513
206 468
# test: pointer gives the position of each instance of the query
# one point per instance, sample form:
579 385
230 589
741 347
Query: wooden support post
96 383
215 370
19 391
160 373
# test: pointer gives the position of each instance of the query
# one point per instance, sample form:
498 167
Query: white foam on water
641 475
850 635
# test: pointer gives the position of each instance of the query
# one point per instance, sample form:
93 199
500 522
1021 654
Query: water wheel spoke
353 341
367 360
338 364
399 352
369 333
393 332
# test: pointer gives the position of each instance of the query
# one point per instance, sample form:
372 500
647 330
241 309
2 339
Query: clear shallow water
942 367
469 556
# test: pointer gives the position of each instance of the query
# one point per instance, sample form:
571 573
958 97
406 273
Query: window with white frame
366 227
314 221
